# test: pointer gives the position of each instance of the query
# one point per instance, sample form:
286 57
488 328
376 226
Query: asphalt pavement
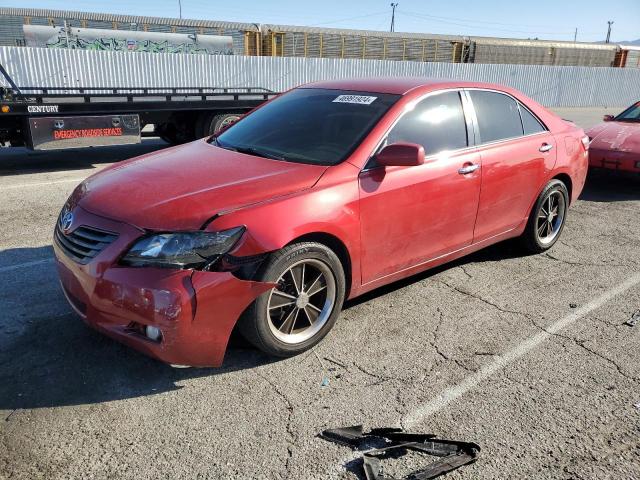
527 356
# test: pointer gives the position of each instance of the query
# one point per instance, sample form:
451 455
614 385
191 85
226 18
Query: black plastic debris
635 318
381 443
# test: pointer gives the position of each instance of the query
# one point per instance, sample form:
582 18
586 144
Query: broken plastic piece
635 318
393 442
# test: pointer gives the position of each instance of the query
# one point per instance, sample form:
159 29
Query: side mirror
401 154
607 118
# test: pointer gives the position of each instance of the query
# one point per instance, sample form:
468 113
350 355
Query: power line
439 19
476 21
347 19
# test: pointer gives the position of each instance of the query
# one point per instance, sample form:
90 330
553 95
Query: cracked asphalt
528 356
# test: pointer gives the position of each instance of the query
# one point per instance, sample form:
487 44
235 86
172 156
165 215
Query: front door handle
468 169
545 147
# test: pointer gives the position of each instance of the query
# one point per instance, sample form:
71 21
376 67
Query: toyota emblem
66 222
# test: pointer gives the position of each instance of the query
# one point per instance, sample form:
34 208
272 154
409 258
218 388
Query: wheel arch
337 246
566 179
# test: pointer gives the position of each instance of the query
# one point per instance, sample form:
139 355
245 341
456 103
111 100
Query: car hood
180 188
620 136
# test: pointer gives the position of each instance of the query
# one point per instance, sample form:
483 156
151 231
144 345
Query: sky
544 19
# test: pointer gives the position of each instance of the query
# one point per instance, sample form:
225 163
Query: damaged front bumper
194 311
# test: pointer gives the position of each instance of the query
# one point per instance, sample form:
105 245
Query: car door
516 152
410 215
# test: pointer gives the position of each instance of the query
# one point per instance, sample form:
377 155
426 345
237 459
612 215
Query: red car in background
321 194
615 144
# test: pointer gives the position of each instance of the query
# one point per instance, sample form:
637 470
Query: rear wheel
303 306
211 123
547 218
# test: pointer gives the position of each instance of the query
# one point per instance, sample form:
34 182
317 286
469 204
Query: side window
530 123
498 116
437 123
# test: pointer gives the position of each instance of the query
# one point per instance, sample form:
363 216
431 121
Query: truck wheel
213 123
180 128
167 132
297 313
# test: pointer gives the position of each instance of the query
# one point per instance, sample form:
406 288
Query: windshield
631 114
308 125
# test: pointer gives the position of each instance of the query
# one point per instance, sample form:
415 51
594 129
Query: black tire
256 324
179 128
530 239
167 132
211 123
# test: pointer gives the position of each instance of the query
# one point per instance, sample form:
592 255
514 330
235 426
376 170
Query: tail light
585 142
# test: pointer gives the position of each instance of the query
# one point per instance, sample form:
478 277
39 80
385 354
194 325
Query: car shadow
50 358
20 161
61 362
611 186
504 250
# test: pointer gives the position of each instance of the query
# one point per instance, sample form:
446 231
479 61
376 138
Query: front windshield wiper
258 152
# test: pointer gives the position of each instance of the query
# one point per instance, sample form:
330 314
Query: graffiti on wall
126 40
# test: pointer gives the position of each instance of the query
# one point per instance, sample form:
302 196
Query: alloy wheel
550 217
302 301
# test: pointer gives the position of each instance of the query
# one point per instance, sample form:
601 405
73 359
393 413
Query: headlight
182 250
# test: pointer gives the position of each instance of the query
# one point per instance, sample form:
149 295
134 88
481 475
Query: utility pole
575 35
66 32
610 22
180 8
393 16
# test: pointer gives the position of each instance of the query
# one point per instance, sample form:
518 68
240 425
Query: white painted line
42 184
449 395
25 265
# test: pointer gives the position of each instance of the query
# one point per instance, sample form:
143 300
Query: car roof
398 85
417 86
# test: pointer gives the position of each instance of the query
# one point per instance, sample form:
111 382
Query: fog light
5 109
153 333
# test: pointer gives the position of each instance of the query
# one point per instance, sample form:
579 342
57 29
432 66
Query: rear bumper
195 311
614 160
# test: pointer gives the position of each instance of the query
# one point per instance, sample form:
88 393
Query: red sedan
615 144
325 192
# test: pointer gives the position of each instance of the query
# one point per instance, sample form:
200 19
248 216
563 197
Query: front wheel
303 306
547 218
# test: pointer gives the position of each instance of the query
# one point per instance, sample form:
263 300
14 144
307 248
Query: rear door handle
545 147
468 169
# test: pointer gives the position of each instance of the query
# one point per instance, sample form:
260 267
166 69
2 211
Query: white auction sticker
361 99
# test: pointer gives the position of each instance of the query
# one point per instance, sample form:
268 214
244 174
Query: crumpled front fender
221 298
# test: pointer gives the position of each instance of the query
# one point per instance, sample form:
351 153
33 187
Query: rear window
530 123
498 116
309 125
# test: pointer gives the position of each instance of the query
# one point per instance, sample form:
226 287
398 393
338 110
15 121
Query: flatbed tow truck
52 118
